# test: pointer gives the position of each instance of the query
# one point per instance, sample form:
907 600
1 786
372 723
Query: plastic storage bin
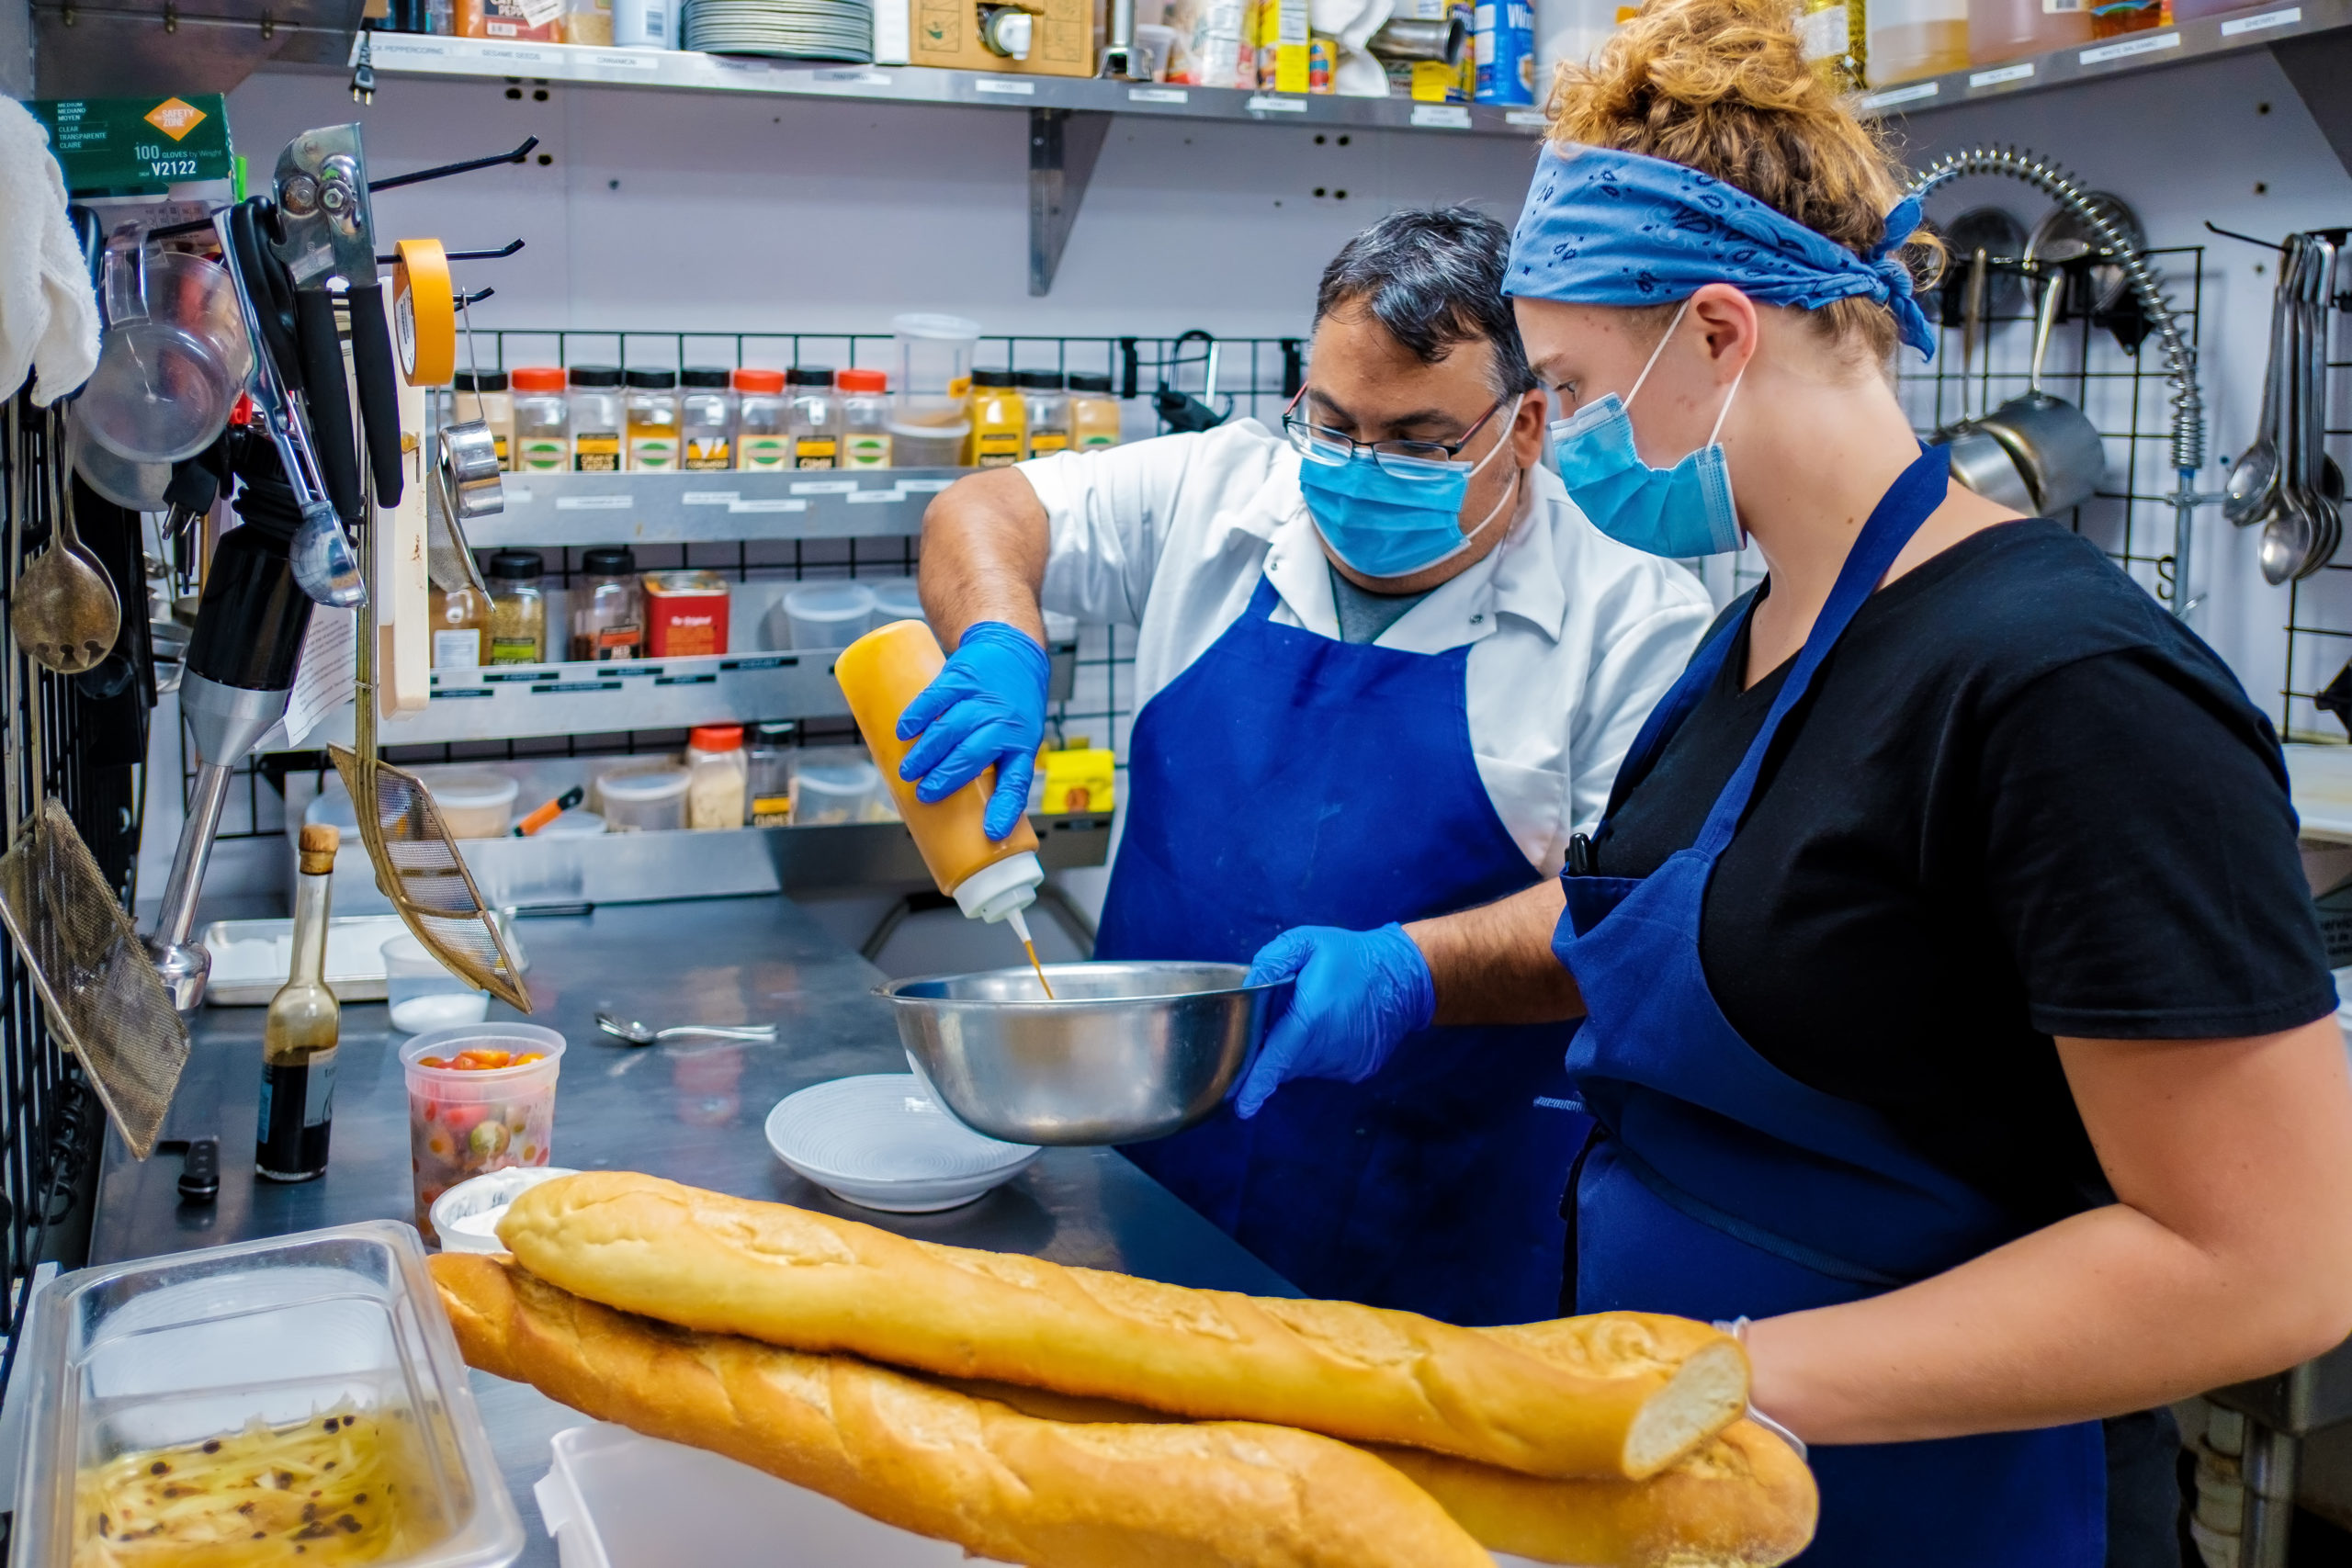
186 1349
475 803
825 614
643 800
463 1123
929 383
422 996
837 789
895 599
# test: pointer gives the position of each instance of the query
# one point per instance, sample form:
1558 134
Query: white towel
49 315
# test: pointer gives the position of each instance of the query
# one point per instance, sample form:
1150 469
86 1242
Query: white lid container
843 791
828 615
644 800
466 1216
474 802
895 599
575 823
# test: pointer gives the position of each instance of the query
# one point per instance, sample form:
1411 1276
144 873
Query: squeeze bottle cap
997 890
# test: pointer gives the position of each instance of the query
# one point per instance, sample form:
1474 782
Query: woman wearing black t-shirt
1953 1006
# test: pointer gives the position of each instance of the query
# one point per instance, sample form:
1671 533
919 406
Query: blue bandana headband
1607 228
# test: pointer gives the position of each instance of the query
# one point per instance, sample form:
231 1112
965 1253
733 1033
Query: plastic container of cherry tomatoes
481 1097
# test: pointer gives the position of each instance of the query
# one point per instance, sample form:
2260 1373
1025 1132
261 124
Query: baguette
1618 1394
992 1481
1745 1500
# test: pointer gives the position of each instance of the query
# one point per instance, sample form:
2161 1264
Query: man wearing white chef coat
1385 669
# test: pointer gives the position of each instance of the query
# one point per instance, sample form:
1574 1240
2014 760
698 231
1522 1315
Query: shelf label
924 487
392 48
625 671
853 78
2147 43
768 503
687 680
1443 117
519 54
2022 71
823 487
458 691
1535 118
868 497
710 498
577 686
505 677
591 504
2286 19
779 662
1894 95
517 495
1009 87
1270 103
1159 95
628 60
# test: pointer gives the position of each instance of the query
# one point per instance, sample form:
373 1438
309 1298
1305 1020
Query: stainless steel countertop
689 1113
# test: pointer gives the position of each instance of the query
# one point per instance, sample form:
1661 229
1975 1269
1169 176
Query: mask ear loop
1722 415
1679 312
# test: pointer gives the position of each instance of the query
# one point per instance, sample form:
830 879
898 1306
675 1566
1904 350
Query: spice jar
483 395
706 421
762 443
1093 412
770 761
653 409
812 418
685 613
1000 425
1048 407
598 418
461 629
865 418
608 617
718 777
542 422
518 610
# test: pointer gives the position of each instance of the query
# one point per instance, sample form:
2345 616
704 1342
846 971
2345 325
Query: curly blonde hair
1723 86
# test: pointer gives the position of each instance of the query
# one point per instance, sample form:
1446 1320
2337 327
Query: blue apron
1715 1186
1288 779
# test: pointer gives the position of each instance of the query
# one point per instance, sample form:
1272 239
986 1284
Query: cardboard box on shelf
1068 39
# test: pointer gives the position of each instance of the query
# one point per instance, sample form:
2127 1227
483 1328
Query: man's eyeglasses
1403 459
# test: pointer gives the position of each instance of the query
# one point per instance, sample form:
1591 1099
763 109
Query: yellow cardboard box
1080 778
947 33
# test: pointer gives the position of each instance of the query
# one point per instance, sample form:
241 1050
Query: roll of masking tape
424 313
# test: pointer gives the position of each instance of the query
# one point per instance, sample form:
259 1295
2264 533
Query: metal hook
499 255
2233 235
445 170
462 301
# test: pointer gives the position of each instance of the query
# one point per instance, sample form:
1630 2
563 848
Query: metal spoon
636 1033
2252 486
67 613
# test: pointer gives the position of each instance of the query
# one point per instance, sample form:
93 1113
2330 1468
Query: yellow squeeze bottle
880 673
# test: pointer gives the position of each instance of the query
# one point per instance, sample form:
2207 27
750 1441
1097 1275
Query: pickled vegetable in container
880 673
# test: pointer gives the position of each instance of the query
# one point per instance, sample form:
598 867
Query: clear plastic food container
827 615
895 599
241 1371
474 802
464 1121
643 800
467 1215
422 995
829 790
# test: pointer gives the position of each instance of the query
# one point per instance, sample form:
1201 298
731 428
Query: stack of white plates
882 1142
790 29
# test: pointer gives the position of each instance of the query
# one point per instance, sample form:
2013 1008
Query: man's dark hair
1433 277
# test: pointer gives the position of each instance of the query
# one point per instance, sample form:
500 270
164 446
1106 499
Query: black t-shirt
2020 801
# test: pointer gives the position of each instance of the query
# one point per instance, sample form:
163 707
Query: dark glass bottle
300 1035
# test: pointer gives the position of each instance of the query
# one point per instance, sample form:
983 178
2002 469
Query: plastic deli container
467 1215
827 792
280 1355
895 599
643 800
422 996
475 803
465 1121
617 1500
827 615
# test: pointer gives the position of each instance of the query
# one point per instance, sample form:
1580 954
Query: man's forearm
985 539
1494 964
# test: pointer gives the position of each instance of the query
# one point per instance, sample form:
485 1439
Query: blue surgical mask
1382 525
1678 512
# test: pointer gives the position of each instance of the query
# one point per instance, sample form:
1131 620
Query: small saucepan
2056 446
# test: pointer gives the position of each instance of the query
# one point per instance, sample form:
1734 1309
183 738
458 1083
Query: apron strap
1672 709
1907 503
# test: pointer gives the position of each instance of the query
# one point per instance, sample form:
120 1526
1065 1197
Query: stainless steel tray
360 978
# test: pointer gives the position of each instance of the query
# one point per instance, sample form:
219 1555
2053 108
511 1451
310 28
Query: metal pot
2054 445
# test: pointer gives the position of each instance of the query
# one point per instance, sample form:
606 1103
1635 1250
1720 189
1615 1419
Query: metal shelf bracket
1063 146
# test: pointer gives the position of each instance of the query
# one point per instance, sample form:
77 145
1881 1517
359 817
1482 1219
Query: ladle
65 612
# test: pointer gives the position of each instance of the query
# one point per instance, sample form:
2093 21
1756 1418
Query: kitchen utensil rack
833 537
2126 393
50 1125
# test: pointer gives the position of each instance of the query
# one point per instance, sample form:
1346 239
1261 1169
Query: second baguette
930 1459
1617 1394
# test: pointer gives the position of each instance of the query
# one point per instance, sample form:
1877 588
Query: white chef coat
1574 637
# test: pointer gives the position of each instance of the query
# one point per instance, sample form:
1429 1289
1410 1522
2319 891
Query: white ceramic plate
882 1142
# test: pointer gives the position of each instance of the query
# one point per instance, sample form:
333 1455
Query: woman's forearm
2228 1257
1494 964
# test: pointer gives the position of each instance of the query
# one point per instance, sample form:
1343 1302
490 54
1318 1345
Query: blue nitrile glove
1359 993
986 710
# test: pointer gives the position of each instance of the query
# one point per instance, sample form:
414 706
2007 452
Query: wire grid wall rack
1254 377
2125 391
51 1127
2319 607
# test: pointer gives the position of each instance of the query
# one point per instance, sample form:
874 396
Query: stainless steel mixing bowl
1125 1053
